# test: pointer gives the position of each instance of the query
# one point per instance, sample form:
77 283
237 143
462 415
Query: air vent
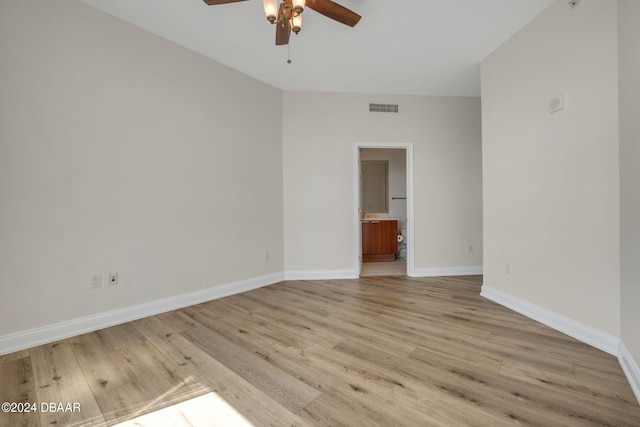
383 108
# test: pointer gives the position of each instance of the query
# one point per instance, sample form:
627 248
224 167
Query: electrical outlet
507 267
266 255
469 248
113 278
96 281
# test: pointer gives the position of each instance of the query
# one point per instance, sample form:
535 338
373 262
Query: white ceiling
419 47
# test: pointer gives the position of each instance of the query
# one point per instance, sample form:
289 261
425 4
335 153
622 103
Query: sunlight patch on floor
208 410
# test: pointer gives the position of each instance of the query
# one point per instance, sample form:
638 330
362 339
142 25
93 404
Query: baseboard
351 274
586 334
630 368
34 337
446 271
320 275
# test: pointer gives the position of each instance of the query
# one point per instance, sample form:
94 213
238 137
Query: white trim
356 209
408 147
411 265
630 368
46 334
447 271
320 275
586 334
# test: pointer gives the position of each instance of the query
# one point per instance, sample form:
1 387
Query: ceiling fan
288 15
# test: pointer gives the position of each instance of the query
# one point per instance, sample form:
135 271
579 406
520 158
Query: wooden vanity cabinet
379 240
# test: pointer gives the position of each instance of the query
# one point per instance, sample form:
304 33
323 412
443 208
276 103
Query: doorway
397 206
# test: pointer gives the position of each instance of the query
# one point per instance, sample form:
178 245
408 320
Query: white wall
629 41
551 181
120 151
320 130
397 179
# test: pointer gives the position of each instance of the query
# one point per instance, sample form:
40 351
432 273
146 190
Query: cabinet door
369 236
380 238
388 243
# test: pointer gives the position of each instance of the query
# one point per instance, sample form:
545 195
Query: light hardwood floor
393 268
384 351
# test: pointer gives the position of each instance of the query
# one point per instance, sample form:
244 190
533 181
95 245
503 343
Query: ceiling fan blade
283 27
215 2
334 11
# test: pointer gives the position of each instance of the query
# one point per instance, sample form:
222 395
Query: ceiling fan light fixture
270 9
298 6
296 23
287 14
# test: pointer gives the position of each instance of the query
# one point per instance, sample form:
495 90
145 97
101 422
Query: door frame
408 147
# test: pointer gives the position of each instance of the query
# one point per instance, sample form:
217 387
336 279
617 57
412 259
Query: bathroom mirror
375 186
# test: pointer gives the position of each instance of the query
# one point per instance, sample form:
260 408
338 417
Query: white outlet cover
556 103
113 279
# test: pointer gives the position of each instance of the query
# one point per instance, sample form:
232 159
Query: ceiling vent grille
383 108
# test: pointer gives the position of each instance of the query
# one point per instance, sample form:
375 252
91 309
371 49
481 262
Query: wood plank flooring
383 351
391 268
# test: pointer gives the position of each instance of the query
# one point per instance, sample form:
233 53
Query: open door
359 210
359 207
